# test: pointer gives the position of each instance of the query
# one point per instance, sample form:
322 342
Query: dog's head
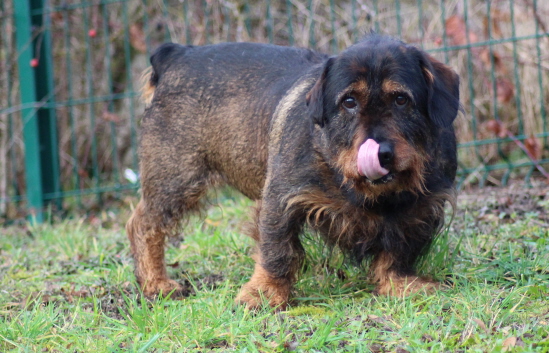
379 109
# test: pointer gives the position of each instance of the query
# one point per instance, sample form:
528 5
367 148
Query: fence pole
39 124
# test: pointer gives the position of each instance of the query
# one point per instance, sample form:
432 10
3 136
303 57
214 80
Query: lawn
69 287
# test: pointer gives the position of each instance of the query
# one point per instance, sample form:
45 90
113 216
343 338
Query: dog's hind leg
173 183
147 246
151 222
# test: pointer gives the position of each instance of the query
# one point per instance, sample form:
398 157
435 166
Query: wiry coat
284 126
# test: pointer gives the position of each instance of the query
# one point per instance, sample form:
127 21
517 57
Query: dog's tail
147 86
161 60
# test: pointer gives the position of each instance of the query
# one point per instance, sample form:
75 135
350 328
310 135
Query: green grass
69 287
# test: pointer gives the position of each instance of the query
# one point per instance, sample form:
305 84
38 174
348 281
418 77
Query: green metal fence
70 71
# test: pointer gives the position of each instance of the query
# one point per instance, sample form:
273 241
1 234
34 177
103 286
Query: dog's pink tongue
368 161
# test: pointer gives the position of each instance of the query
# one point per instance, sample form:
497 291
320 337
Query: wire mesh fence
69 93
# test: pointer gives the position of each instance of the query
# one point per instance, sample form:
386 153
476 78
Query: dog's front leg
278 257
395 277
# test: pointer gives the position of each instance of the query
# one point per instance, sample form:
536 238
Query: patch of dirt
505 204
211 281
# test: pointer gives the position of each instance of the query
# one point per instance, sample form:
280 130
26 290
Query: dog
358 147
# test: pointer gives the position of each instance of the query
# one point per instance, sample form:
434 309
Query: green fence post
39 123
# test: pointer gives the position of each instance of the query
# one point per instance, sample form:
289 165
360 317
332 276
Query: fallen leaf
290 346
533 147
57 17
505 90
108 116
376 348
481 325
496 127
498 18
80 293
498 63
137 38
509 343
174 265
46 299
457 31
212 222
83 173
375 318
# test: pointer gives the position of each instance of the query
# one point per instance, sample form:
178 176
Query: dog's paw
163 287
255 293
403 286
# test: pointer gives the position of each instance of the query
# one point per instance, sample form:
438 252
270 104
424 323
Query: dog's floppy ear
443 82
315 97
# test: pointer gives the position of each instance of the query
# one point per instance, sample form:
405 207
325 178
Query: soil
509 203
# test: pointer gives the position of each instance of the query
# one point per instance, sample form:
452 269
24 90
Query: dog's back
220 99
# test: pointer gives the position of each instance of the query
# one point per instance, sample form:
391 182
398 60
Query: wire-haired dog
359 146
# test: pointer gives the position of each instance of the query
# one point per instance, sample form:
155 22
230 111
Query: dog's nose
385 154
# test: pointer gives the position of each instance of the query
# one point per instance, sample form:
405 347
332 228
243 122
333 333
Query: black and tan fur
269 121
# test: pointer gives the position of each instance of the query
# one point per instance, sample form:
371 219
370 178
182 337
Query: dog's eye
401 100
349 103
